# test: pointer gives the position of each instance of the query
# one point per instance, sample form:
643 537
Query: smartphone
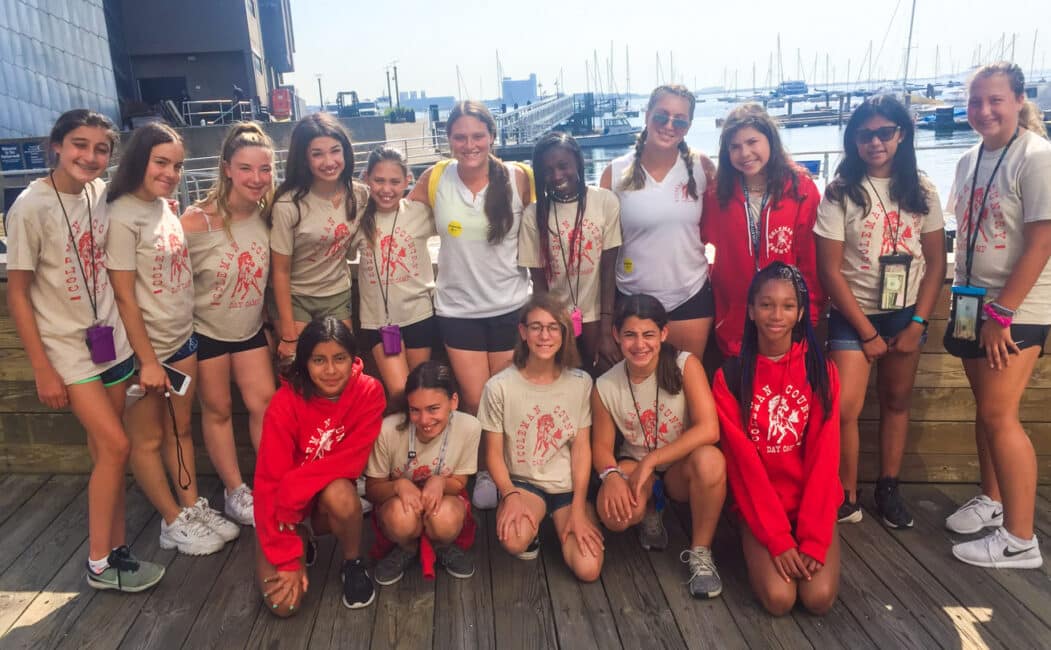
180 380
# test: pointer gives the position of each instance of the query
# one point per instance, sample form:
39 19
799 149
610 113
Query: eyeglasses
535 329
884 133
661 119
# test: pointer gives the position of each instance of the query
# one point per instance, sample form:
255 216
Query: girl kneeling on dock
882 295
779 413
761 208
395 276
569 240
537 417
1001 308
669 443
417 478
61 301
317 436
149 266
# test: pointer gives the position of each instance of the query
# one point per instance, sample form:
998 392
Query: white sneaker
211 518
485 496
997 551
239 505
366 505
189 535
978 513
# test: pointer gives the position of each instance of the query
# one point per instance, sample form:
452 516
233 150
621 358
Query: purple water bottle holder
391 337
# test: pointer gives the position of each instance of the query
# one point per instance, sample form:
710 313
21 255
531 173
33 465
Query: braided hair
634 176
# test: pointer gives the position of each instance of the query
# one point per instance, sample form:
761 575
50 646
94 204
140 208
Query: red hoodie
305 446
788 236
784 473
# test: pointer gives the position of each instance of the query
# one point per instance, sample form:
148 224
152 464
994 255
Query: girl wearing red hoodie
779 412
762 208
317 435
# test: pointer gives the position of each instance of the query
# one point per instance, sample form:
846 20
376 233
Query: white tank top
662 254
476 279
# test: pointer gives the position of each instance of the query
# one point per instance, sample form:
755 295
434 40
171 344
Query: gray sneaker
126 573
704 579
391 568
457 562
653 536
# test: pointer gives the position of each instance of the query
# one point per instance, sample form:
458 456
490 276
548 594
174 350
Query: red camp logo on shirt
171 262
249 277
579 253
779 241
322 441
399 259
993 225
419 474
93 269
651 436
540 435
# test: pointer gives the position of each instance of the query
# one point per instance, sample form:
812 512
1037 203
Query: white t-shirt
868 236
390 453
476 279
600 228
662 254
38 241
1020 194
538 422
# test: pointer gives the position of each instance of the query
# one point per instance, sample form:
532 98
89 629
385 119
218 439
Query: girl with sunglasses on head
60 299
778 410
417 477
1001 307
569 240
660 185
658 399
230 256
149 267
881 256
761 208
536 416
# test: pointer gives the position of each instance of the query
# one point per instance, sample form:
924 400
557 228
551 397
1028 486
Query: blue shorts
843 336
188 349
553 502
113 375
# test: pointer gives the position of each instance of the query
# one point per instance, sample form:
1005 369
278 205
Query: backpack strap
532 179
436 175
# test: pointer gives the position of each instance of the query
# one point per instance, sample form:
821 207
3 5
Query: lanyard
656 411
976 219
896 231
441 450
93 294
755 222
385 288
579 237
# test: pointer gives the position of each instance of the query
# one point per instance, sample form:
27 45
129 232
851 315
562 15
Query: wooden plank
944 371
74 459
939 468
335 626
463 609
23 527
20 397
269 631
947 437
14 365
581 610
404 613
16 489
520 597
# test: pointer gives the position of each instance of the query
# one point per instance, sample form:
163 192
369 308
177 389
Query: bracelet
922 321
612 469
509 493
1001 320
1000 309
284 340
870 339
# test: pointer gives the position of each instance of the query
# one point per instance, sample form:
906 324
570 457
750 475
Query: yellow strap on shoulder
436 175
532 180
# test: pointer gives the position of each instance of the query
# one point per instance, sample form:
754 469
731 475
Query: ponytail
498 201
634 177
687 157
1030 119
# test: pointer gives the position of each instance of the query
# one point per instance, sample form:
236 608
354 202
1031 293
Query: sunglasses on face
884 133
661 119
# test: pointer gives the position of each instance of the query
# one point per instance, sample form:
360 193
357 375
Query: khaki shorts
308 308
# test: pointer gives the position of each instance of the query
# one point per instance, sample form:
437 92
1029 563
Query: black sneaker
310 551
457 562
890 505
849 513
358 590
531 551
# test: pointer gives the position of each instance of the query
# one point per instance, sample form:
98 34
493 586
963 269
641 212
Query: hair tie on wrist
871 338
284 340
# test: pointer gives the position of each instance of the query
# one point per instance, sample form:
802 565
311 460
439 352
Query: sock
98 566
1018 542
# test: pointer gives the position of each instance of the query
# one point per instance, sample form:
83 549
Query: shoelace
700 562
974 504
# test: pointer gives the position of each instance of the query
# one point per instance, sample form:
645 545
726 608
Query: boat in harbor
616 131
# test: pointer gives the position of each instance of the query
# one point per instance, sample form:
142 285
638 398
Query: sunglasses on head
884 133
678 123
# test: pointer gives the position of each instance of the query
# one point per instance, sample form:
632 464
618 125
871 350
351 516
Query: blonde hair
634 177
1029 118
239 136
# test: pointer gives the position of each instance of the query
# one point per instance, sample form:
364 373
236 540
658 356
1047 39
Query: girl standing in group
149 267
569 239
778 411
669 443
417 477
1001 307
762 208
395 278
536 416
660 186
881 256
477 201
230 256
60 299
317 436
313 219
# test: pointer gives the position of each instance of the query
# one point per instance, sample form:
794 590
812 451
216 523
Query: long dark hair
298 178
567 356
779 169
646 307
816 365
376 156
136 157
429 374
74 119
905 187
317 331
551 141
498 197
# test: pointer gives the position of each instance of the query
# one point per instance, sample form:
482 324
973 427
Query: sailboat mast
908 51
627 73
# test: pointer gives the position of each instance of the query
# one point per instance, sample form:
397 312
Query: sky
351 44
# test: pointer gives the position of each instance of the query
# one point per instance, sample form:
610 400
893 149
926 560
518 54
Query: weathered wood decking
898 590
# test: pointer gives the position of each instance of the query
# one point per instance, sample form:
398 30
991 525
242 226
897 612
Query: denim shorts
553 502
843 336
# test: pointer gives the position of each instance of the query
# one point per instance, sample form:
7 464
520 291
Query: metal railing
830 157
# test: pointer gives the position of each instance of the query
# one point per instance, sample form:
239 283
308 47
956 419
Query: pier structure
527 123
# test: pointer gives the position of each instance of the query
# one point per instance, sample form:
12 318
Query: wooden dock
898 590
